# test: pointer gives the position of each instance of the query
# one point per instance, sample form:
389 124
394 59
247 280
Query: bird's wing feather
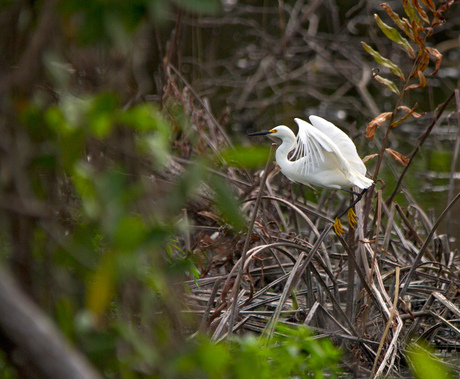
342 141
311 144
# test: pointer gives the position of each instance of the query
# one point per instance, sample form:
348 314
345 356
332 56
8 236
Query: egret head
282 132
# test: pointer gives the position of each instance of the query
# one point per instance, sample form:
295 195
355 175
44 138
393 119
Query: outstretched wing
342 141
311 147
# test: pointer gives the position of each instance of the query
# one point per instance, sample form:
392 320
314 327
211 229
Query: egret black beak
263 133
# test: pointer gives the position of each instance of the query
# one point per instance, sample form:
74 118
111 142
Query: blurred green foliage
424 364
292 353
113 289
113 21
246 157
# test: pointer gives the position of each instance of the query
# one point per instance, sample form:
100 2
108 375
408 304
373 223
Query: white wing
310 148
342 141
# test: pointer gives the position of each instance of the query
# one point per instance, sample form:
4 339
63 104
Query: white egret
323 156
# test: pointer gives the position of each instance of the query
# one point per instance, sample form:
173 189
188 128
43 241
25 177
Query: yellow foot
352 219
338 227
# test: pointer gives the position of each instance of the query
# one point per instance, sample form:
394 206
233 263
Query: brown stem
421 140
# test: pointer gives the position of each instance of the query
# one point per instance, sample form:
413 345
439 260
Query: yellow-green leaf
410 11
387 83
247 157
425 365
228 205
385 62
101 288
399 23
394 35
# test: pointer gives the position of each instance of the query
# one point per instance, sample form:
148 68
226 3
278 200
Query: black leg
353 192
358 195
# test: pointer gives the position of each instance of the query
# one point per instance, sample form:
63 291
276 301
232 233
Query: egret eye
273 131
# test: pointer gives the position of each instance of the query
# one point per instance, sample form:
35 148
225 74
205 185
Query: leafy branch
417 26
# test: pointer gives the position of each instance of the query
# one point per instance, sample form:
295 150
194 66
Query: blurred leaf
82 180
57 122
58 69
398 156
410 11
100 21
228 205
130 234
100 114
399 23
157 146
65 312
438 56
246 157
394 35
208 359
155 136
424 365
420 11
101 286
430 5
143 117
186 187
140 349
388 83
375 123
383 61
199 6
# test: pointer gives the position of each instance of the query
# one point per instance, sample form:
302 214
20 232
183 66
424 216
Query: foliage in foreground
291 353
120 255
102 216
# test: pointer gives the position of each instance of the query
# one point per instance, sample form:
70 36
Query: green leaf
410 11
228 205
101 114
142 117
399 23
57 121
387 83
424 365
185 187
102 286
199 6
83 182
246 157
394 35
385 62
130 234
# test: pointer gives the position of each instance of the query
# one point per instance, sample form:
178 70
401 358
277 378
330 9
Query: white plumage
322 155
